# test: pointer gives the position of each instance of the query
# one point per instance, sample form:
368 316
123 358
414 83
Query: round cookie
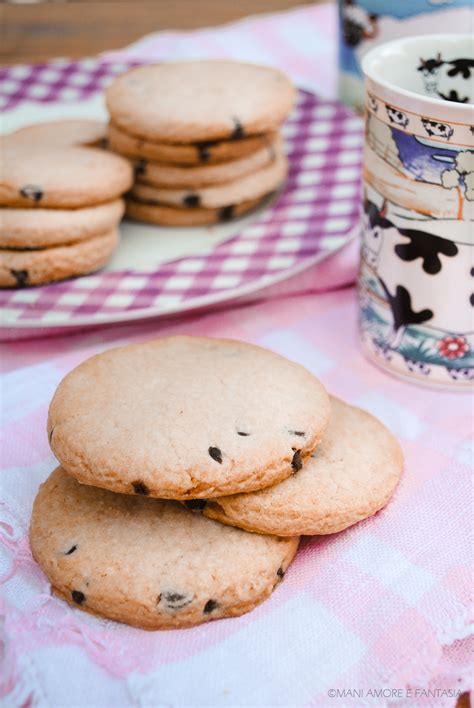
351 476
186 417
251 186
61 133
162 175
149 562
66 177
22 268
28 229
177 216
190 101
205 152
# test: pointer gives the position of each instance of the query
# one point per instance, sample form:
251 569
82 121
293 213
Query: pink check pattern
60 80
383 606
312 217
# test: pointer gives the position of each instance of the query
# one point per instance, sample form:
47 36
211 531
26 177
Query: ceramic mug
416 282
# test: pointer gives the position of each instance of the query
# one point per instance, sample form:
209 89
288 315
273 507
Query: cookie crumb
210 606
140 488
216 454
296 462
78 596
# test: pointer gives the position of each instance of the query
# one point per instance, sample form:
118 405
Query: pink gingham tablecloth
379 615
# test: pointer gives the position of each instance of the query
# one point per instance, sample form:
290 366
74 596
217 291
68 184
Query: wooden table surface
35 32
79 28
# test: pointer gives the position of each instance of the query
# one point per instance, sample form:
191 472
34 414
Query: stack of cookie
203 136
171 453
60 203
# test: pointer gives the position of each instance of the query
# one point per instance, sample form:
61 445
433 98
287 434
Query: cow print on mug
449 79
430 69
405 314
396 117
374 225
436 129
416 277
425 246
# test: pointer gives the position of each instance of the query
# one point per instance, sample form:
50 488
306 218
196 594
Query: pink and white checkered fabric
383 606
380 615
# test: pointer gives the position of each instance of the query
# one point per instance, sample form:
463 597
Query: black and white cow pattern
441 264
421 244
452 95
426 246
438 74
375 224
436 129
403 313
464 67
431 69
396 117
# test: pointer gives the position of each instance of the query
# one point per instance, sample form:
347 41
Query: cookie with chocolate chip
204 152
160 174
62 177
190 101
148 562
352 475
186 418
165 215
20 269
254 185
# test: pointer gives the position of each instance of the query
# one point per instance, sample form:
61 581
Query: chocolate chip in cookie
32 191
21 277
216 454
